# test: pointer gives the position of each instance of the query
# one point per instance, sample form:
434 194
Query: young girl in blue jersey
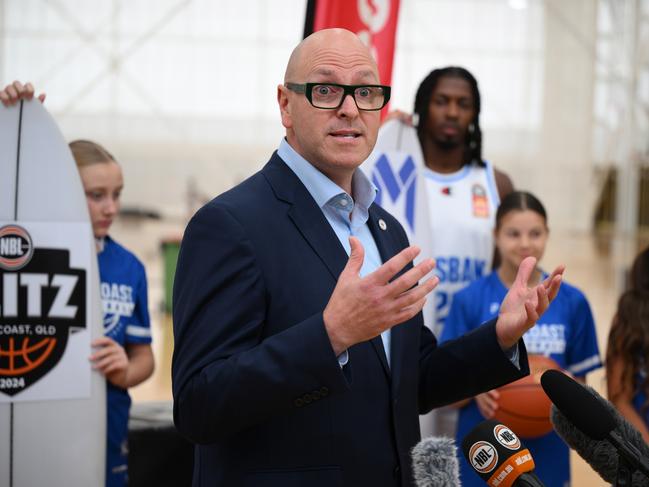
123 355
627 354
565 332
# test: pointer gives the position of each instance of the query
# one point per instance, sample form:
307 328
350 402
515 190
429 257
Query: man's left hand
523 305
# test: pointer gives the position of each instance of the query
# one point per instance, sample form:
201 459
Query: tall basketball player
463 193
463 189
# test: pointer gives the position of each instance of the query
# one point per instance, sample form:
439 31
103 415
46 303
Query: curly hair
473 141
629 338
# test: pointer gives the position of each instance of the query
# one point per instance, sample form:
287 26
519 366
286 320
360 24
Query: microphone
592 427
434 462
497 455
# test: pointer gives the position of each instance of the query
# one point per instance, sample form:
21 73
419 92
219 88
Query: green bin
170 250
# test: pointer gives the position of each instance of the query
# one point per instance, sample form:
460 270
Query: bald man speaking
301 357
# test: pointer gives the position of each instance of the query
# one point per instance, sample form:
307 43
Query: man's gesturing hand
362 308
523 305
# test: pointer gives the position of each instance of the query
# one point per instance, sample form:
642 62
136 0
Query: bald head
317 47
334 140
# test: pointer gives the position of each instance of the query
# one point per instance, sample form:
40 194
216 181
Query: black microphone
434 462
497 455
591 426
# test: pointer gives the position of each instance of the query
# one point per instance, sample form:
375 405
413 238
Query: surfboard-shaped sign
52 405
396 166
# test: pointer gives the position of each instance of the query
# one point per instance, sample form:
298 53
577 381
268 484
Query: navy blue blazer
256 383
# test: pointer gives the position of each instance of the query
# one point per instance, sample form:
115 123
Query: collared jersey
640 396
126 320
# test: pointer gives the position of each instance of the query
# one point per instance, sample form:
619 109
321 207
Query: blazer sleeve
464 367
226 376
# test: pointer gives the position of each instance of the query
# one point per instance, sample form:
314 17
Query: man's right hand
16 91
362 308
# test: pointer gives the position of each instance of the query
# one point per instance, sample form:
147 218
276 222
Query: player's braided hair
473 149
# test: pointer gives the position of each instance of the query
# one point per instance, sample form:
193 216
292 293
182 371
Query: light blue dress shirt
347 214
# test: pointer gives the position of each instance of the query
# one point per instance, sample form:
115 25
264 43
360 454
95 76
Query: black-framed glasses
330 96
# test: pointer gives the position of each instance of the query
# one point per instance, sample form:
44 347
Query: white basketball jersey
462 210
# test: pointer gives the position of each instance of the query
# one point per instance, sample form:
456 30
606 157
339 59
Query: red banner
374 21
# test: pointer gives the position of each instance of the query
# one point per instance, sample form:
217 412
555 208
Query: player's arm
140 363
122 366
504 183
403 117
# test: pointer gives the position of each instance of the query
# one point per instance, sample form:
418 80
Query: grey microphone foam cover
435 463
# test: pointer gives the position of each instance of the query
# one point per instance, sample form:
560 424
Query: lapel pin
382 224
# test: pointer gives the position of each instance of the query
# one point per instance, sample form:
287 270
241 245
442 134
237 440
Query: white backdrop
183 92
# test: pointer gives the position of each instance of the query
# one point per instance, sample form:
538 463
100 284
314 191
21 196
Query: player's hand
16 91
488 403
362 308
403 117
523 305
111 360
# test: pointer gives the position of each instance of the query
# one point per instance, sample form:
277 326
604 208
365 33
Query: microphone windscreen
601 455
577 404
434 462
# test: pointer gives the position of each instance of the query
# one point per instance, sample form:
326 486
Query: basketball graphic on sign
18 360
41 298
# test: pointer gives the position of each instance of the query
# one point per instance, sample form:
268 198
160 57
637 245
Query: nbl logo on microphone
506 437
483 456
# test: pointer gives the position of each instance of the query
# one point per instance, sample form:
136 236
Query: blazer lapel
388 247
306 215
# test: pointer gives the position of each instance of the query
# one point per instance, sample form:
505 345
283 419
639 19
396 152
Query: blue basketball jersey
640 396
565 333
126 320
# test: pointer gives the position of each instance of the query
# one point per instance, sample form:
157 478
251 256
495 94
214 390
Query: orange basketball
523 405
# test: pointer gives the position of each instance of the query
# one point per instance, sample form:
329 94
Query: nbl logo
16 248
506 437
41 298
483 456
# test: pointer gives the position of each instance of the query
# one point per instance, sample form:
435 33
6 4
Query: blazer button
316 395
324 391
307 398
298 402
